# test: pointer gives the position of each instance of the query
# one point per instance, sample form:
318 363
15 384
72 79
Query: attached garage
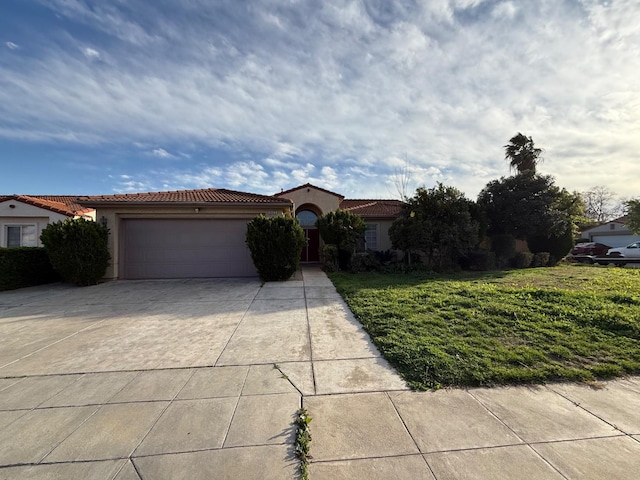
182 234
185 248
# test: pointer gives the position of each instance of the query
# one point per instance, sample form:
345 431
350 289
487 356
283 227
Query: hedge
25 267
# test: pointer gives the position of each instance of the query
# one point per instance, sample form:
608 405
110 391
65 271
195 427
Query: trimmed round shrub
78 250
479 260
522 259
540 259
557 246
275 244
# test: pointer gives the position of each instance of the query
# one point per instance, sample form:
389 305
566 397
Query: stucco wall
384 242
324 201
115 215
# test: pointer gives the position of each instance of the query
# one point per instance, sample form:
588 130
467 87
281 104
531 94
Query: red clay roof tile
63 204
373 208
205 195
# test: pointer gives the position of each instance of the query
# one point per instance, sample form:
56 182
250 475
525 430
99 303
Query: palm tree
522 154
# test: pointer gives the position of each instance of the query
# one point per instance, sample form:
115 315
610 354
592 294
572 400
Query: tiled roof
373 208
308 185
621 220
63 204
201 196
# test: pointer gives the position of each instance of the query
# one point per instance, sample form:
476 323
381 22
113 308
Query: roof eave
183 204
34 203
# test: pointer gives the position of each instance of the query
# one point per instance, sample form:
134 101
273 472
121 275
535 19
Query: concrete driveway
195 379
171 379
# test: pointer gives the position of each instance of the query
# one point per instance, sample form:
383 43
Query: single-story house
613 233
201 233
23 217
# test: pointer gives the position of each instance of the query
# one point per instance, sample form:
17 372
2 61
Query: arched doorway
307 219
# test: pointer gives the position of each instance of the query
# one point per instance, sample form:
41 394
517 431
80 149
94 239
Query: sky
102 97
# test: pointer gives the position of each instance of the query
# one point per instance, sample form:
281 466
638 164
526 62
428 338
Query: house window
369 241
371 236
21 236
306 218
612 226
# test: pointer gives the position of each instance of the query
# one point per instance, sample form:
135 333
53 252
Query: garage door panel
181 248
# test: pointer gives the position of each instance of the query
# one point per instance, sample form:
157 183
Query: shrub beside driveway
522 326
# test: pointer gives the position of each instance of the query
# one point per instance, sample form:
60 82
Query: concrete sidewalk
202 378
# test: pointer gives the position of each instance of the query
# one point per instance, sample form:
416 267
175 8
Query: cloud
11 45
129 186
161 153
302 90
504 10
91 53
249 175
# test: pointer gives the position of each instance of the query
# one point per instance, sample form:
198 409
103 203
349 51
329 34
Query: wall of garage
115 217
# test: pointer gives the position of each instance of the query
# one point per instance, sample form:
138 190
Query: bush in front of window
341 228
78 250
275 244
25 267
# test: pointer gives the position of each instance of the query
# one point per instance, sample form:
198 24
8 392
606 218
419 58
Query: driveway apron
202 378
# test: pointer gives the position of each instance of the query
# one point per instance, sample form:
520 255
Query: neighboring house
181 234
310 202
23 217
614 233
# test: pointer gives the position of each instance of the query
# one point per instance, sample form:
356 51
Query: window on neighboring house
21 236
369 241
612 226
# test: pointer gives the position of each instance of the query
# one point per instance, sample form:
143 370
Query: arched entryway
307 219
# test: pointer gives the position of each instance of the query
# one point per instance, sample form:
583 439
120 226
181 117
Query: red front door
311 251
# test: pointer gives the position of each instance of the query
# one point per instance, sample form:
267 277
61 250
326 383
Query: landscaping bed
571 322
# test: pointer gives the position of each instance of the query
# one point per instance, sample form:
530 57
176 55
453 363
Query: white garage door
616 240
185 248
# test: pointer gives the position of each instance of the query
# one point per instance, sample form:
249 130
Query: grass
569 322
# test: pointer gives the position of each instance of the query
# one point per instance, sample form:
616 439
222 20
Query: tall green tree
439 223
533 208
633 215
522 154
525 206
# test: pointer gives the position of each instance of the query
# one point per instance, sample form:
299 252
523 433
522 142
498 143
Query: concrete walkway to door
137 380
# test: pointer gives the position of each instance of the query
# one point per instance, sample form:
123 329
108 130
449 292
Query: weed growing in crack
303 441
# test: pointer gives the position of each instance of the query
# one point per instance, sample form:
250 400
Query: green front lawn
522 326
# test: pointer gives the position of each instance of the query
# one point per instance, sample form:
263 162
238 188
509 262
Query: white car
630 251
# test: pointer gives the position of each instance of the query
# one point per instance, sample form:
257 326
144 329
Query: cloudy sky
98 97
